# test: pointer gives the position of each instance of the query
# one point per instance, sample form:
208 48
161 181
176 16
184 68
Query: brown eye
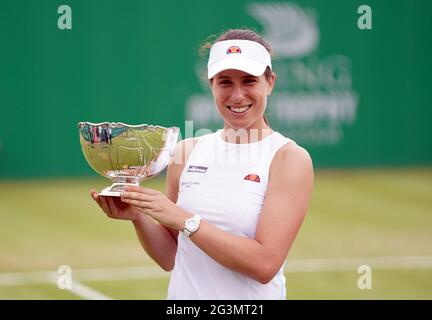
250 81
224 82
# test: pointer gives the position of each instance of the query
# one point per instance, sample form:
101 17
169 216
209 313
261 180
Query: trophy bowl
126 154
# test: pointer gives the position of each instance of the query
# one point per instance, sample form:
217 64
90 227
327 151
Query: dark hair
238 34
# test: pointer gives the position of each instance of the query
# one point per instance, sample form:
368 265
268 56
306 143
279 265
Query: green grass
386 284
149 289
36 292
354 213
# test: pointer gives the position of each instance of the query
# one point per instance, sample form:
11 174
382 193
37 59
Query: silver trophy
126 154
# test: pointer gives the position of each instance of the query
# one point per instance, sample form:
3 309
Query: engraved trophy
126 154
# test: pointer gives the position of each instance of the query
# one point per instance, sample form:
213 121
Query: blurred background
358 99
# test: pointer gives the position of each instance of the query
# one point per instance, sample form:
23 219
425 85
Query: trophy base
116 189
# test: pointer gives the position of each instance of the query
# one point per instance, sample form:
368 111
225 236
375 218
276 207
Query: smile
240 110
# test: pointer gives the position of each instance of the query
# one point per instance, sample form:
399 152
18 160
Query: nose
238 94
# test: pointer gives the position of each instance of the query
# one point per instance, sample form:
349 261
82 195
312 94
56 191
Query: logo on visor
233 49
252 177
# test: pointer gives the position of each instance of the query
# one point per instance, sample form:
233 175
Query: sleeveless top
225 183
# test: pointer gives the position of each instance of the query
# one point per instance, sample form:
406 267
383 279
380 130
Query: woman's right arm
158 241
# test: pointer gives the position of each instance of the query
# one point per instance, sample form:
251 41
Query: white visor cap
245 55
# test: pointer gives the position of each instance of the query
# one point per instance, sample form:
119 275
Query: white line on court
38 277
77 288
87 293
291 266
346 264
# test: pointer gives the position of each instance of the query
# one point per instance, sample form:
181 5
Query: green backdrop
352 97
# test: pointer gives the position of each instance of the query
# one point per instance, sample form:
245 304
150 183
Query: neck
245 135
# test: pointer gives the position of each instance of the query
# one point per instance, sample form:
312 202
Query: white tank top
225 183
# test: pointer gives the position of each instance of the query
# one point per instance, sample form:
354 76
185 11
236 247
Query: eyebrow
243 77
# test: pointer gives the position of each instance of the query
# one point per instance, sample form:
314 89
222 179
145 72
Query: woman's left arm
285 205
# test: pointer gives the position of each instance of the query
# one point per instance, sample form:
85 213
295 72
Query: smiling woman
258 47
241 98
236 198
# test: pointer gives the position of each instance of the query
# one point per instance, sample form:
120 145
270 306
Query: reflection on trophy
126 154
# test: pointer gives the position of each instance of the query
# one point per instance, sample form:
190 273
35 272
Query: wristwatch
191 225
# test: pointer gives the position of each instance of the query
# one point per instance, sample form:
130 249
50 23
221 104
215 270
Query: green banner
352 85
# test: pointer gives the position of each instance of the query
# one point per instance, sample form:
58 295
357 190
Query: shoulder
292 153
291 178
291 159
183 150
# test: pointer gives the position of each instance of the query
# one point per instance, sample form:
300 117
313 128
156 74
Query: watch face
191 225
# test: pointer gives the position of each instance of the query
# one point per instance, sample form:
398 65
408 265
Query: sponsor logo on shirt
197 169
188 184
252 177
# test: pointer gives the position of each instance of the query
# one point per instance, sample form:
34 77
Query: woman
235 199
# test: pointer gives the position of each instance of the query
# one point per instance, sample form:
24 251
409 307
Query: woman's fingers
136 203
115 212
115 207
141 190
95 197
137 196
101 201
105 206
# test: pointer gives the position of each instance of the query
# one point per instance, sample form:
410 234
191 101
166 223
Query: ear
271 83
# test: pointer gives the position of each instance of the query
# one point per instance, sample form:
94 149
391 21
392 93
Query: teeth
239 110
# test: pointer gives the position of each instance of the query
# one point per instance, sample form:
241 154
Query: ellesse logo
252 177
233 49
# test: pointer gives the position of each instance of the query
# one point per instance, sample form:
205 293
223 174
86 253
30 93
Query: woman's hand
156 205
115 208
